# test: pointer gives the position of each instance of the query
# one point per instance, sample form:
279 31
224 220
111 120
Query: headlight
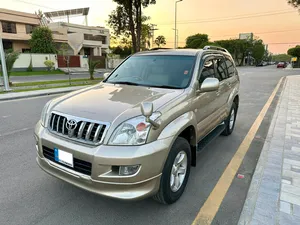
133 131
44 115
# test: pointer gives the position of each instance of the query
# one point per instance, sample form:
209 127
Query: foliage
281 57
258 51
123 51
92 66
294 3
126 20
10 59
197 41
42 41
49 64
63 49
160 41
29 68
294 51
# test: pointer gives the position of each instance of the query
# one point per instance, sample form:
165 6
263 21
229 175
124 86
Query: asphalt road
30 196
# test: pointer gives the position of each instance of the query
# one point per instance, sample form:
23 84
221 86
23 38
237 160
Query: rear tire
230 120
174 179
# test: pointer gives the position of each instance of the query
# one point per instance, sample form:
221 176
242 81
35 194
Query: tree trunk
132 28
138 6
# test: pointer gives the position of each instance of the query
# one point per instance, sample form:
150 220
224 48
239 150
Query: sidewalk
28 94
274 193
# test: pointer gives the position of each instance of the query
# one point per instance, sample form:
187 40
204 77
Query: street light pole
175 43
4 69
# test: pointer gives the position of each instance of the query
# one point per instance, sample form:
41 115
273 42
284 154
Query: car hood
105 102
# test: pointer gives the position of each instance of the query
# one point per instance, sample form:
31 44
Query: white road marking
15 131
6 116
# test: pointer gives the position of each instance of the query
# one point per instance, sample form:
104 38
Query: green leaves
160 40
42 41
294 51
196 41
92 66
294 3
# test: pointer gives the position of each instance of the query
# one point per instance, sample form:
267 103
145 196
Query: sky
274 21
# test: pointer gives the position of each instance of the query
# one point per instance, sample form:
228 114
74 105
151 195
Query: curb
38 93
251 198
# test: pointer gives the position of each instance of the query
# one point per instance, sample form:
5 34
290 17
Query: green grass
97 80
35 73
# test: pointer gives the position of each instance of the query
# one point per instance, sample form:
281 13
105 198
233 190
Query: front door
205 104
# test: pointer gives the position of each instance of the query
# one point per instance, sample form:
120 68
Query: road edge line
214 200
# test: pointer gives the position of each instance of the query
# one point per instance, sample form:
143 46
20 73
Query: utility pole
4 70
176 22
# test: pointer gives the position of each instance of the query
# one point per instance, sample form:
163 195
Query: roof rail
214 48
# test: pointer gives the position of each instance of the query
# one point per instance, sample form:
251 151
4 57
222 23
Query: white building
83 39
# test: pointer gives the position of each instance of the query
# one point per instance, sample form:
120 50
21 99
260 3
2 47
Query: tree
294 3
160 41
258 51
281 57
42 41
296 53
127 20
92 66
197 41
10 59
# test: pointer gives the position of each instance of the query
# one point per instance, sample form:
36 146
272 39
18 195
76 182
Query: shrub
49 64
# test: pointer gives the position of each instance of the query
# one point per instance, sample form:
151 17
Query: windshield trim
144 85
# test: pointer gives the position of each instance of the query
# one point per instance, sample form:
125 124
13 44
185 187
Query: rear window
155 71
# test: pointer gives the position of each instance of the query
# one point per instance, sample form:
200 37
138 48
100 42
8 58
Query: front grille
79 165
84 131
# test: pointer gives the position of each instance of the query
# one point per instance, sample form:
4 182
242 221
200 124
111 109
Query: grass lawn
35 73
87 81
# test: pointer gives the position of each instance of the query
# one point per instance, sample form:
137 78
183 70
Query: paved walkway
274 193
28 94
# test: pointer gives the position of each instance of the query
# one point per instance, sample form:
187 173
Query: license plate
63 157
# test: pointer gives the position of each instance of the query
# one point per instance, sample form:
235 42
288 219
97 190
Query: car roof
186 52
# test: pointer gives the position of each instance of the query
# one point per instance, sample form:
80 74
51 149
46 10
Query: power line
229 18
29 3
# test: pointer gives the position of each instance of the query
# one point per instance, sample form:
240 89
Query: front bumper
103 180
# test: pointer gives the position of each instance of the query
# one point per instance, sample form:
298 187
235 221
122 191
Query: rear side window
221 68
230 67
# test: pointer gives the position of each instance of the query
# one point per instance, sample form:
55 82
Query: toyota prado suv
137 133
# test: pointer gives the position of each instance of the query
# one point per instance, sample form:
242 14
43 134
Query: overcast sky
220 19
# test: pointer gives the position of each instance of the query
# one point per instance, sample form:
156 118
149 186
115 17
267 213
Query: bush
49 64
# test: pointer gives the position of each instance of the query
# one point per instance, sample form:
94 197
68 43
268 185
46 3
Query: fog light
128 170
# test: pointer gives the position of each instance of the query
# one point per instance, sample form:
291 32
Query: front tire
175 173
230 121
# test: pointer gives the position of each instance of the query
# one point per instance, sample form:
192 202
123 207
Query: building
82 39
15 29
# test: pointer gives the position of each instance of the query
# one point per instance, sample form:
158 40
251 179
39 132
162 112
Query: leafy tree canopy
42 41
196 41
160 41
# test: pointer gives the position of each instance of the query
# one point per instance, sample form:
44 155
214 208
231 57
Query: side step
210 137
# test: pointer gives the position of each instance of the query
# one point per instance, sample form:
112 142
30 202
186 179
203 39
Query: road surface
30 196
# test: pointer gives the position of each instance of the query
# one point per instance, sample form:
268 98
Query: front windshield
163 71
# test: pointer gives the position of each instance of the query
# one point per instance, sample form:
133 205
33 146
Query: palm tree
92 65
10 58
160 40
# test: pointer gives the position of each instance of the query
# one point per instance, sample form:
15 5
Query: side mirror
147 111
105 75
209 85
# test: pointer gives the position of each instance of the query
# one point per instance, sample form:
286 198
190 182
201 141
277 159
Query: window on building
25 50
90 37
8 27
7 44
29 28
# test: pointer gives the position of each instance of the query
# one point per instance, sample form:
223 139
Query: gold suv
137 133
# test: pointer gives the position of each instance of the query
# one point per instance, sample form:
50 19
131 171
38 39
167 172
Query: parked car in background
281 65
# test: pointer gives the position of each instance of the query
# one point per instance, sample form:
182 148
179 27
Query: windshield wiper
125 82
166 86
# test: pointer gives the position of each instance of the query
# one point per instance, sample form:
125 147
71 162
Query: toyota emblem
71 125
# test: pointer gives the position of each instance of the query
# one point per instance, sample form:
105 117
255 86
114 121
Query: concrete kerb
251 199
29 94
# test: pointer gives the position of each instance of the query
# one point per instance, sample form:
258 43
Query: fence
23 62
